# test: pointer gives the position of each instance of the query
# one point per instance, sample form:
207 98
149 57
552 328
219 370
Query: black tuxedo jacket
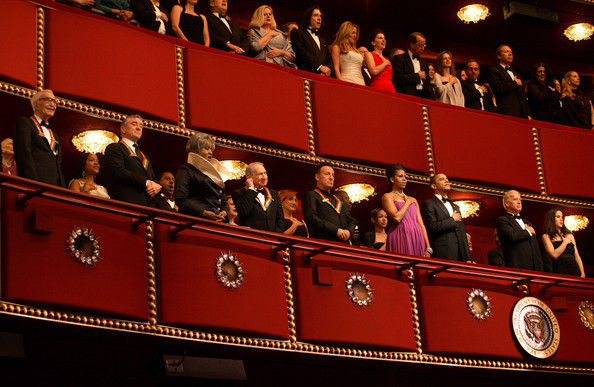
405 79
162 203
251 214
308 56
446 236
220 34
128 176
144 13
520 250
510 97
322 220
472 97
34 157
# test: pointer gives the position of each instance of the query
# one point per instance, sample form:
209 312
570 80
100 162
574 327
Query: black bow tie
313 30
46 124
261 191
475 82
222 16
170 198
445 200
516 216
415 56
508 68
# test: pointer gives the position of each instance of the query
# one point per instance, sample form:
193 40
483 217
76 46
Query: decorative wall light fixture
579 31
576 222
358 191
473 13
236 168
94 140
468 208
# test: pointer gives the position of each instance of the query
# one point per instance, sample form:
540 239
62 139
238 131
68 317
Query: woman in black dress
376 239
189 25
559 244
544 99
576 104
290 203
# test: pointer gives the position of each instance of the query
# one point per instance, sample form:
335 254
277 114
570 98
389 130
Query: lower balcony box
326 314
38 270
189 293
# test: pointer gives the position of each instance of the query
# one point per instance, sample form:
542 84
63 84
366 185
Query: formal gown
448 93
566 263
192 26
369 241
350 67
100 191
383 80
406 237
578 110
299 231
279 41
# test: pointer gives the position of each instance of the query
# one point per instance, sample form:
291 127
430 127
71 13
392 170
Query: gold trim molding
428 141
40 44
309 117
181 92
151 272
541 178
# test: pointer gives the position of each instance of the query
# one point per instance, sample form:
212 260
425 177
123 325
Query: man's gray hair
249 171
200 141
128 118
37 96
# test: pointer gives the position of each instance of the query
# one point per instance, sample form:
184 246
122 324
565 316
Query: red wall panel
566 161
484 148
326 314
354 123
245 99
18 48
189 294
112 63
37 270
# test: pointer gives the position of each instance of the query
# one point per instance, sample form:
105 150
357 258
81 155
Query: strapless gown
565 263
406 237
383 80
350 67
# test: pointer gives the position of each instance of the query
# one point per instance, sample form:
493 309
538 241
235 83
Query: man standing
165 200
443 220
225 34
258 207
344 197
311 51
476 95
517 236
326 216
507 86
133 179
411 72
37 148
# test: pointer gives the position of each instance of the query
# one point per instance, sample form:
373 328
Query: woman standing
189 25
290 204
408 234
88 164
448 88
347 60
378 65
267 42
376 239
576 105
560 245
544 100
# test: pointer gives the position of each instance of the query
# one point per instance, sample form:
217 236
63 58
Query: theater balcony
107 293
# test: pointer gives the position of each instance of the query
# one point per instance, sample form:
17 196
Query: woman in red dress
378 65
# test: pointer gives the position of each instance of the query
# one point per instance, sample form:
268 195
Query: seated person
376 239
496 255
267 43
232 211
88 165
151 16
8 161
200 184
120 9
164 200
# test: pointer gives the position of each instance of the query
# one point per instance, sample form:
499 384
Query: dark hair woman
88 165
543 97
560 245
376 239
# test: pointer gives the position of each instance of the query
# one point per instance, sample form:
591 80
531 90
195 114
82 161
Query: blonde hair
258 17
342 37
566 87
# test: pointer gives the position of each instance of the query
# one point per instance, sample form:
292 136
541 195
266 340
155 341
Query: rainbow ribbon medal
52 141
268 200
142 159
336 207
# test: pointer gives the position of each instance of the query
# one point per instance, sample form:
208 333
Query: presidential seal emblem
535 327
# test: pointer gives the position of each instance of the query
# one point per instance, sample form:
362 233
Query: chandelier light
236 168
93 141
468 208
473 13
576 222
358 191
580 31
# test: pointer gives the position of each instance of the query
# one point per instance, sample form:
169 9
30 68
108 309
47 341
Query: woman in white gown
448 88
88 164
347 60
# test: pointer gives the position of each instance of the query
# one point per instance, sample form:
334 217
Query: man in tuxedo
326 216
344 197
37 148
258 207
133 179
507 86
225 34
411 72
443 220
164 200
476 94
311 51
517 236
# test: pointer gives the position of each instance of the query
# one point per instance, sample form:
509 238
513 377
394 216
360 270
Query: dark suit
33 155
195 192
308 56
511 99
472 97
128 176
496 257
251 214
144 13
322 220
220 34
162 203
545 103
446 236
519 248
405 79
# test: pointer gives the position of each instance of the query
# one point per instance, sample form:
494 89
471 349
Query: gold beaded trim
181 100
428 142
541 178
309 116
40 40
151 272
415 311
289 293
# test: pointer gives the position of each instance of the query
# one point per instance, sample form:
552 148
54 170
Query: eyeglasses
50 100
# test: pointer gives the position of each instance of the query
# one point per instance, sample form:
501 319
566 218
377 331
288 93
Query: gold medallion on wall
228 270
535 327
359 290
83 246
586 313
479 304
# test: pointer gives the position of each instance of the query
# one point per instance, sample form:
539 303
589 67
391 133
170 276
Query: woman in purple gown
407 234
